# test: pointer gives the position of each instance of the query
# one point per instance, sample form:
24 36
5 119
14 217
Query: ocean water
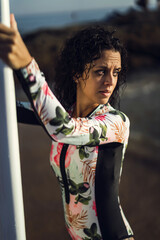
29 23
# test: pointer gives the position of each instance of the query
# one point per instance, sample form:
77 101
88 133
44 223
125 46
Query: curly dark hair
86 46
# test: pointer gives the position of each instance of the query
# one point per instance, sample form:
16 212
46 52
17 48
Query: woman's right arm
110 127
12 48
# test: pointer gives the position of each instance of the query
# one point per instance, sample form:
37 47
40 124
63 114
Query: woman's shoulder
116 112
114 122
108 109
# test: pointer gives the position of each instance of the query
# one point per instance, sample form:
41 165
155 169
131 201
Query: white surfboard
12 226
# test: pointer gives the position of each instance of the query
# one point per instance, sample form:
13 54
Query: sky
20 7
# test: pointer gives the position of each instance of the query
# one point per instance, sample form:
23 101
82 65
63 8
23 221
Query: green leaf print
94 228
83 187
61 117
92 232
72 183
66 118
56 122
73 191
35 94
59 113
66 130
82 199
87 232
104 130
58 130
82 153
79 189
93 137
116 112
73 187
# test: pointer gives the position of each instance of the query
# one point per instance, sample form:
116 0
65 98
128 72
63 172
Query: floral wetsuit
87 156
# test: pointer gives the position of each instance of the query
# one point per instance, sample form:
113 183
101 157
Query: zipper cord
63 172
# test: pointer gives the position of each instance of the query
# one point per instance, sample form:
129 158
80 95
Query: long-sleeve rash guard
87 156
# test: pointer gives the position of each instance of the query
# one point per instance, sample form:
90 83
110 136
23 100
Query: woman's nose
108 79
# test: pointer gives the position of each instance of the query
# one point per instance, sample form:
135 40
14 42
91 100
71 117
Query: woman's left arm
25 113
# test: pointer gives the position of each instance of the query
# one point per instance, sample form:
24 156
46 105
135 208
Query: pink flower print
96 149
73 207
73 235
86 185
69 153
81 126
51 152
100 117
47 91
54 137
94 207
103 110
57 157
91 130
31 78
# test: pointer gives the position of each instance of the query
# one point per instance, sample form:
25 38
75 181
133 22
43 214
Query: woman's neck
83 105
82 109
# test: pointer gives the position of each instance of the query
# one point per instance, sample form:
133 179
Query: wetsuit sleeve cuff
29 74
31 68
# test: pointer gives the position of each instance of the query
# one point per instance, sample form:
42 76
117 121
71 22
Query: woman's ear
75 79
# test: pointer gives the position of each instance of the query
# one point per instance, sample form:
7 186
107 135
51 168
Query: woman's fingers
5 39
12 48
9 30
6 30
13 22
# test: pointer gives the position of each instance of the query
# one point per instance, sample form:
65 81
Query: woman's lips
105 93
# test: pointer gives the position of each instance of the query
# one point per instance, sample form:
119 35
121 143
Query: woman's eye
115 74
100 72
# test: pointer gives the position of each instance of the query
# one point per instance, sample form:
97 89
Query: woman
90 138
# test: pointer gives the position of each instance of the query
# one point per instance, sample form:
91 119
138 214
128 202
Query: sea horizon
33 22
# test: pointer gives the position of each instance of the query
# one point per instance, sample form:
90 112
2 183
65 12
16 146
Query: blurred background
45 25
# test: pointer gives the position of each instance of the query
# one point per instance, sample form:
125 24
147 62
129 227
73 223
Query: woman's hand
12 48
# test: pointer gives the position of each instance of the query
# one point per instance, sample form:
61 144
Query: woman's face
102 79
